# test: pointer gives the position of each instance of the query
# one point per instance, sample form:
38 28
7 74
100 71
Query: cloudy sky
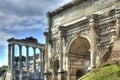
23 18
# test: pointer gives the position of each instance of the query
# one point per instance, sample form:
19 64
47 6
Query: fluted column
61 54
61 38
47 35
9 56
46 52
12 57
118 23
27 58
93 36
20 57
46 57
34 59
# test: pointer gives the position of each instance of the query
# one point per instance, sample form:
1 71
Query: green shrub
104 73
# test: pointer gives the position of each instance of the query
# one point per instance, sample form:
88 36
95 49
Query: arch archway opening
80 46
79 57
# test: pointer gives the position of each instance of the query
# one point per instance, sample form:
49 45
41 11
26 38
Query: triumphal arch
79 37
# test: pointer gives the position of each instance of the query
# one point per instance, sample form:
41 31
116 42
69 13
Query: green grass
110 72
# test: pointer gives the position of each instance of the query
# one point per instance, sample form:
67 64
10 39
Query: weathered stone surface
88 30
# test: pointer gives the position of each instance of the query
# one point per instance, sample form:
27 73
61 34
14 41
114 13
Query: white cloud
23 14
19 15
3 37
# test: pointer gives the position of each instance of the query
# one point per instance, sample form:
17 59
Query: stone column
12 57
47 35
61 71
9 56
118 23
34 59
20 57
93 36
46 56
27 58
41 64
20 62
12 62
34 63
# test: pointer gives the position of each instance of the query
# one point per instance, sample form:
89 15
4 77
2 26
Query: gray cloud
29 7
19 15
25 13
3 37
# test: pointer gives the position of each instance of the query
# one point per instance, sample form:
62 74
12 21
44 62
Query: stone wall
82 10
114 55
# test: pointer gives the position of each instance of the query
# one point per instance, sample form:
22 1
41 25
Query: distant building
25 67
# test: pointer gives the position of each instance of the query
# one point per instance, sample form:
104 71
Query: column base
61 75
90 68
61 71
35 76
28 74
47 75
12 74
41 76
20 75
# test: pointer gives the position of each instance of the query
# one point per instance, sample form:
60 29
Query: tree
3 69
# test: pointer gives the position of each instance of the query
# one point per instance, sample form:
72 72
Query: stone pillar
20 57
20 62
47 35
12 62
34 63
41 64
61 71
93 36
34 59
46 57
27 60
118 23
12 57
9 56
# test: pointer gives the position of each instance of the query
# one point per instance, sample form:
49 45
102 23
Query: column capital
12 44
48 40
9 45
19 45
117 13
62 30
41 49
93 18
49 14
34 48
27 46
46 34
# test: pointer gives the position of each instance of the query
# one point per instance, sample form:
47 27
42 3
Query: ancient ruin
79 37
31 70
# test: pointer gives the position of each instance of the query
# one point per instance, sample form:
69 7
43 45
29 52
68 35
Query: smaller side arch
79 73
